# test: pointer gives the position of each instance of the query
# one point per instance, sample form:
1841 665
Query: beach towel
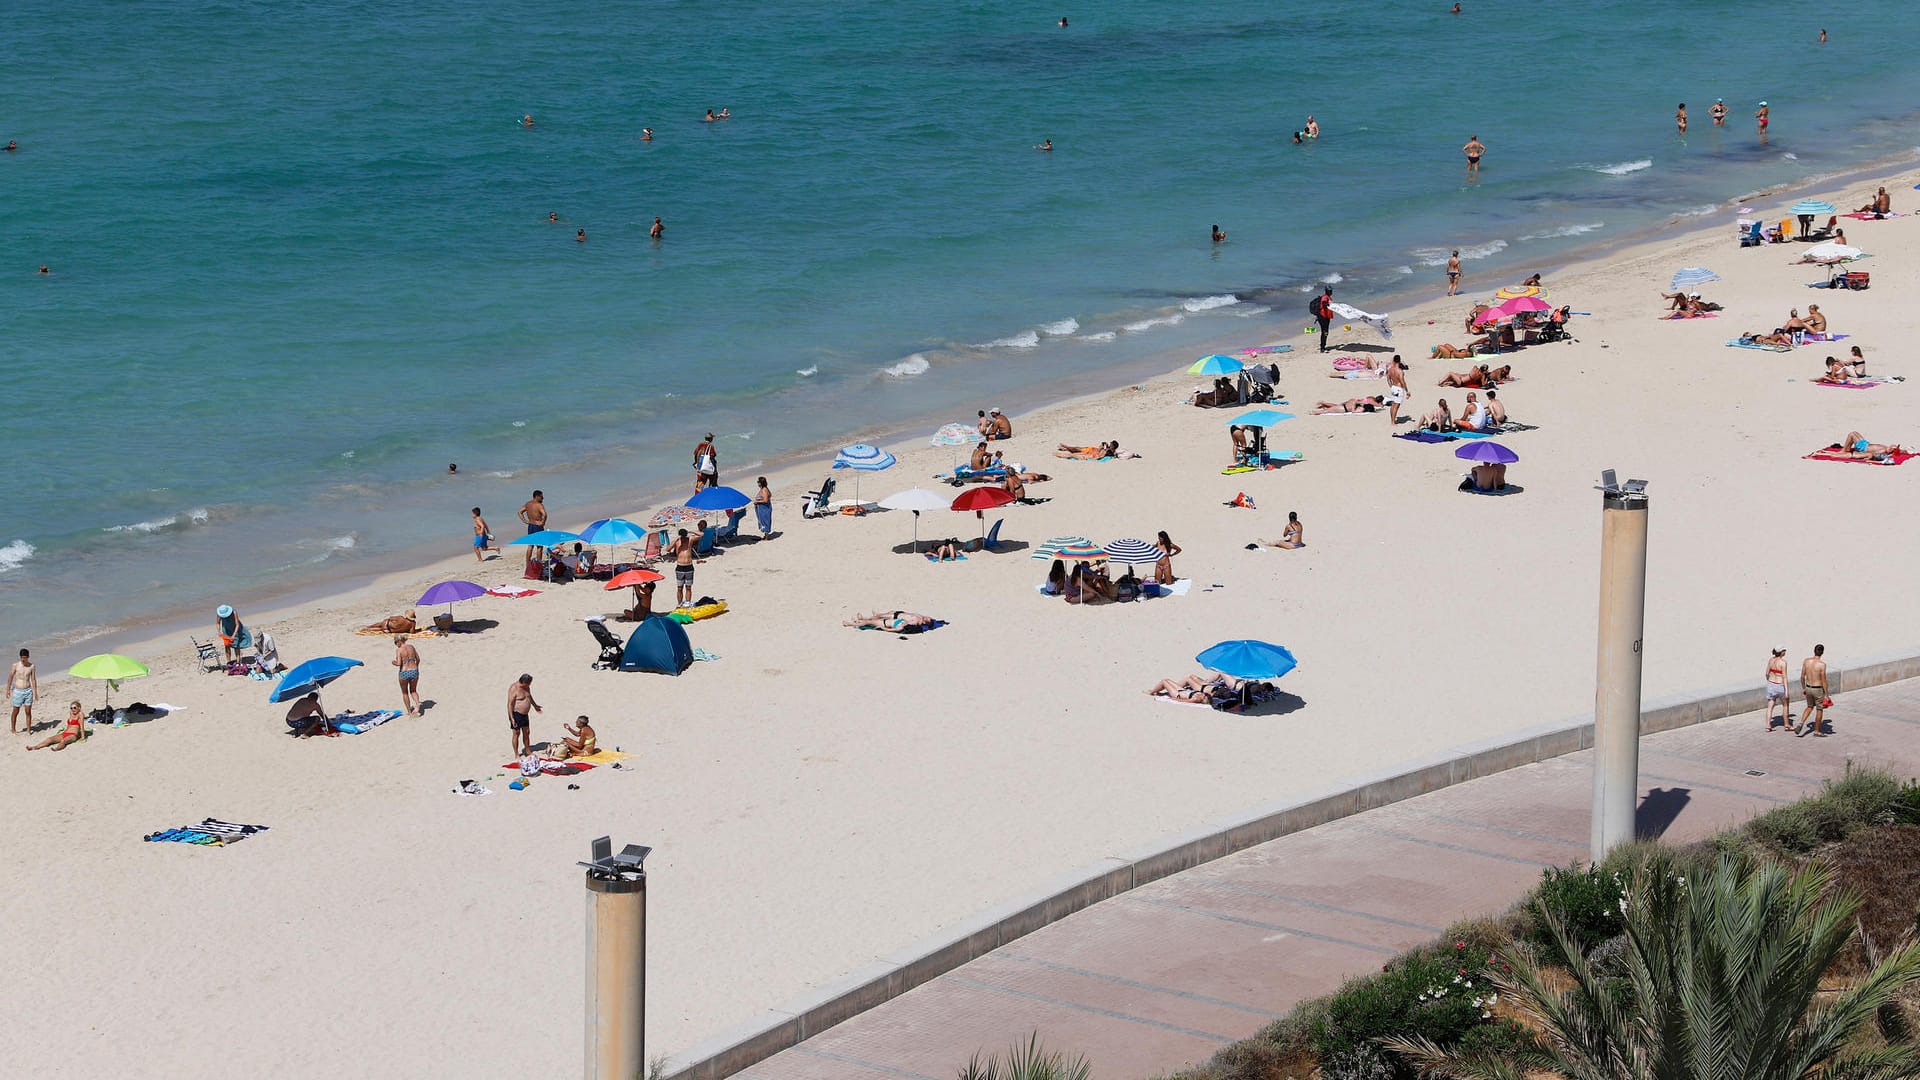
1825 337
1180 587
1422 436
356 723
933 558
471 787
603 757
1830 454
211 832
1349 313
509 592
1736 343
1858 216
1264 350
1857 384
1350 363
702 654
905 630
1688 315
553 767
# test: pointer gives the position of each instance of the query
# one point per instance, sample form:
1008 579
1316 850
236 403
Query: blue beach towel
1736 343
1422 436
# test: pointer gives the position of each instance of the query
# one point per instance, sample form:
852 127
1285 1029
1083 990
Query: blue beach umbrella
449 591
613 531
544 538
862 458
1487 452
1260 418
718 498
1216 364
304 679
1247 659
1811 206
1690 276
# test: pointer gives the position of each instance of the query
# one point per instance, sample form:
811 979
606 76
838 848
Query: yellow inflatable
695 614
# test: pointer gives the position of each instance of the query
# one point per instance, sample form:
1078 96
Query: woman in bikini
1859 363
1194 688
1474 378
1294 537
1351 405
1440 419
1163 568
903 622
69 733
1816 322
1777 690
1444 351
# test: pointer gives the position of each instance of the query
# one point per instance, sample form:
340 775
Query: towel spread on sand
1736 343
1686 315
604 757
211 832
1425 435
1350 363
1180 587
508 592
1858 216
1422 436
1900 458
555 767
933 558
355 723
1856 384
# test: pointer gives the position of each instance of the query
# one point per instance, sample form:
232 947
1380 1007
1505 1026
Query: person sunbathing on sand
1193 688
1444 351
1440 419
1855 445
1816 322
69 733
1351 405
580 740
1473 377
1088 453
392 624
1837 372
1778 337
945 550
904 622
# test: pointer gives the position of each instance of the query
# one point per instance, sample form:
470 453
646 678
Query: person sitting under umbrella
392 624
900 622
69 733
308 718
1486 476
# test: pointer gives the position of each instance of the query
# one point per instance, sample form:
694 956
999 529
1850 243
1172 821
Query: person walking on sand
706 464
1813 683
520 710
1396 389
763 507
1475 150
682 552
23 683
1323 314
481 534
1777 691
1453 273
407 659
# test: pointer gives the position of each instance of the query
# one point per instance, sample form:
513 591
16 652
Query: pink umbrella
1522 303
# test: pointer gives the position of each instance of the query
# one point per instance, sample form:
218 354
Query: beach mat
1830 454
210 832
604 757
1736 343
1858 216
569 767
1858 384
356 723
1422 436
508 592
1681 317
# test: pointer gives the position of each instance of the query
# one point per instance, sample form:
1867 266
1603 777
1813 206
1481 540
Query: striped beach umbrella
1131 552
1084 551
955 435
1047 550
1216 365
1690 276
862 458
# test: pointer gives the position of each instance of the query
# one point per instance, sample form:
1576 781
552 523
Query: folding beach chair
818 503
209 655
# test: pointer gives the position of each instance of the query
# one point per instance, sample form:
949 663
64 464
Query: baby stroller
611 646
818 503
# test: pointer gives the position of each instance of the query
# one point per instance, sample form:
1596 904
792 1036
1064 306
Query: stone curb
780 1028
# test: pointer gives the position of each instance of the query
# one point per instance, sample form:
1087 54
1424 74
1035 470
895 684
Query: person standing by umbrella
520 706
763 508
533 512
23 683
706 464
407 659
1163 568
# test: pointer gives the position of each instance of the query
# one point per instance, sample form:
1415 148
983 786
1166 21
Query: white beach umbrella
1831 252
916 500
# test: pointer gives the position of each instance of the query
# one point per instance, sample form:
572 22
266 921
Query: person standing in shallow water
1475 150
1680 118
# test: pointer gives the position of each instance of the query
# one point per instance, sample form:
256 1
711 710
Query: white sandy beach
821 797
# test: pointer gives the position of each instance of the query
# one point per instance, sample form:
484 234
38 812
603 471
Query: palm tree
1029 1062
1720 980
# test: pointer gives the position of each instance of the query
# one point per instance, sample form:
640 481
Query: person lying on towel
900 622
392 624
1855 445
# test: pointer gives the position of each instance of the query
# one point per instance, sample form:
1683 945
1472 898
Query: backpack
1313 307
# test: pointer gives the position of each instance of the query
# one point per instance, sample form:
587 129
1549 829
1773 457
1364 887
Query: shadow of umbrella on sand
109 668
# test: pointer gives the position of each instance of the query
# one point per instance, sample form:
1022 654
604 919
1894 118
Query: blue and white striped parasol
1687 277
1133 552
862 458
1809 207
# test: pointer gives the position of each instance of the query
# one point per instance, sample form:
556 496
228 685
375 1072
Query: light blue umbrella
545 538
1811 206
1690 276
304 679
862 458
718 498
1217 364
1247 659
1260 418
613 531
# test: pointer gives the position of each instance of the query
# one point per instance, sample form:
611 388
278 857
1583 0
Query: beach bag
706 463
530 766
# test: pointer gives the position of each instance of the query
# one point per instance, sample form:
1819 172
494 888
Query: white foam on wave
741 435
1621 168
1791 156
1252 310
13 554
908 368
1565 230
1332 279
806 371
503 474
519 423
1438 256
1403 269
196 516
1699 211
1104 335
1145 325
1208 303
79 634
1060 328
1025 339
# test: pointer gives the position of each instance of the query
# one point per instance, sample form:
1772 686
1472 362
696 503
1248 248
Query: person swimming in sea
553 215
1297 140
1219 236
1045 146
646 134
580 237
527 120
709 118
658 229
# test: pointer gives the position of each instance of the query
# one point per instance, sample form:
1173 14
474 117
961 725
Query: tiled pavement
1167 973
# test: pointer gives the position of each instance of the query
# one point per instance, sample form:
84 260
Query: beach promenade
1164 975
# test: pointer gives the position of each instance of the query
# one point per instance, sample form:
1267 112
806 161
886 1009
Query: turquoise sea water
301 258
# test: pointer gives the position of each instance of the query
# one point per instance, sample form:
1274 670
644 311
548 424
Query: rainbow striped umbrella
1048 549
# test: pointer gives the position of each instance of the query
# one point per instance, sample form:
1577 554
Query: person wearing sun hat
1762 117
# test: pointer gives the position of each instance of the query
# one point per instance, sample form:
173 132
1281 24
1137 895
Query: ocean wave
1438 256
13 554
1104 335
503 474
1253 309
1620 168
1025 339
1145 325
908 368
1208 303
1060 328
741 435
806 371
1332 279
1791 156
1565 230
79 634
1698 211
1403 269
523 423
196 516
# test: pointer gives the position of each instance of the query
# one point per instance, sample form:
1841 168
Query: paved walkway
1166 974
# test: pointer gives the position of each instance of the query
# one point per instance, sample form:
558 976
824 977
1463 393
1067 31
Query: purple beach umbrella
1487 452
449 591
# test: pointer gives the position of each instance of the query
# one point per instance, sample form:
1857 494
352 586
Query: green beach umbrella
111 667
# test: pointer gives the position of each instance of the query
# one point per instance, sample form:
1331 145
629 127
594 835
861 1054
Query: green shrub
1440 994
1029 1062
1587 902
1861 797
1906 806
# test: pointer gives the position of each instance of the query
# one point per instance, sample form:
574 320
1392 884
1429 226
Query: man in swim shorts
1453 273
1475 150
533 513
520 706
407 659
682 552
480 534
23 682
1396 389
1813 683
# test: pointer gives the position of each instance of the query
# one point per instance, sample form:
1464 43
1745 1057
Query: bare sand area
819 797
